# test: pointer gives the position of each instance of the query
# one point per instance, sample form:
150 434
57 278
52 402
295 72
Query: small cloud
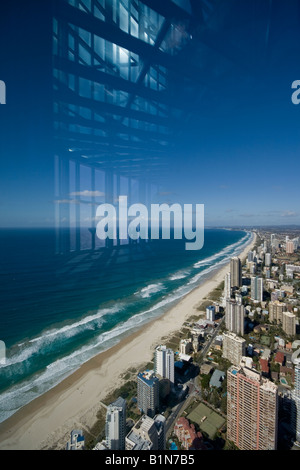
289 214
270 213
223 186
247 215
228 211
87 193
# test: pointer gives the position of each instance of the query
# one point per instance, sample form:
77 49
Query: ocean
58 311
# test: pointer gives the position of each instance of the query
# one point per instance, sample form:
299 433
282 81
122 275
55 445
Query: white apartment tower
268 259
115 426
164 363
211 313
148 392
276 310
234 348
289 323
227 288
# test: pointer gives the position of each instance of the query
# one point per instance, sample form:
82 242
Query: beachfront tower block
115 426
164 363
148 393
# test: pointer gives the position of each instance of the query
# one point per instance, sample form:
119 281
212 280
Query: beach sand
47 421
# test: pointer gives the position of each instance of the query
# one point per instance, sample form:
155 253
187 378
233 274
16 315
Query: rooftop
279 357
264 365
148 377
217 378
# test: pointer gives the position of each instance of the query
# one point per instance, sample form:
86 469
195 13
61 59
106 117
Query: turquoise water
58 311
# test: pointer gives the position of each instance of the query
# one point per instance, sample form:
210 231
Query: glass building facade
113 108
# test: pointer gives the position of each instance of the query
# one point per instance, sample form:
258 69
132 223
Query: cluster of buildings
199 331
253 393
148 433
263 289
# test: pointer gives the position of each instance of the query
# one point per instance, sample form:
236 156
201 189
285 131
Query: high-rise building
250 256
289 323
115 426
227 288
148 393
290 247
296 397
268 259
287 407
236 272
252 267
211 313
235 317
257 288
147 434
252 408
276 310
234 347
296 243
164 363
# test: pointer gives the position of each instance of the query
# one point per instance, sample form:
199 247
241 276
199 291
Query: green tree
205 379
215 399
223 406
230 446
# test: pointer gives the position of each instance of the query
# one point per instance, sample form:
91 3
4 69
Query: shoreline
74 402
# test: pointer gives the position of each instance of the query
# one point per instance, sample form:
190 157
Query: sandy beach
74 403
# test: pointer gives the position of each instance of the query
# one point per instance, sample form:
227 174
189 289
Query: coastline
74 402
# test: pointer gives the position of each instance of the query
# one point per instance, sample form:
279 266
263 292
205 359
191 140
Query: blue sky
238 154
